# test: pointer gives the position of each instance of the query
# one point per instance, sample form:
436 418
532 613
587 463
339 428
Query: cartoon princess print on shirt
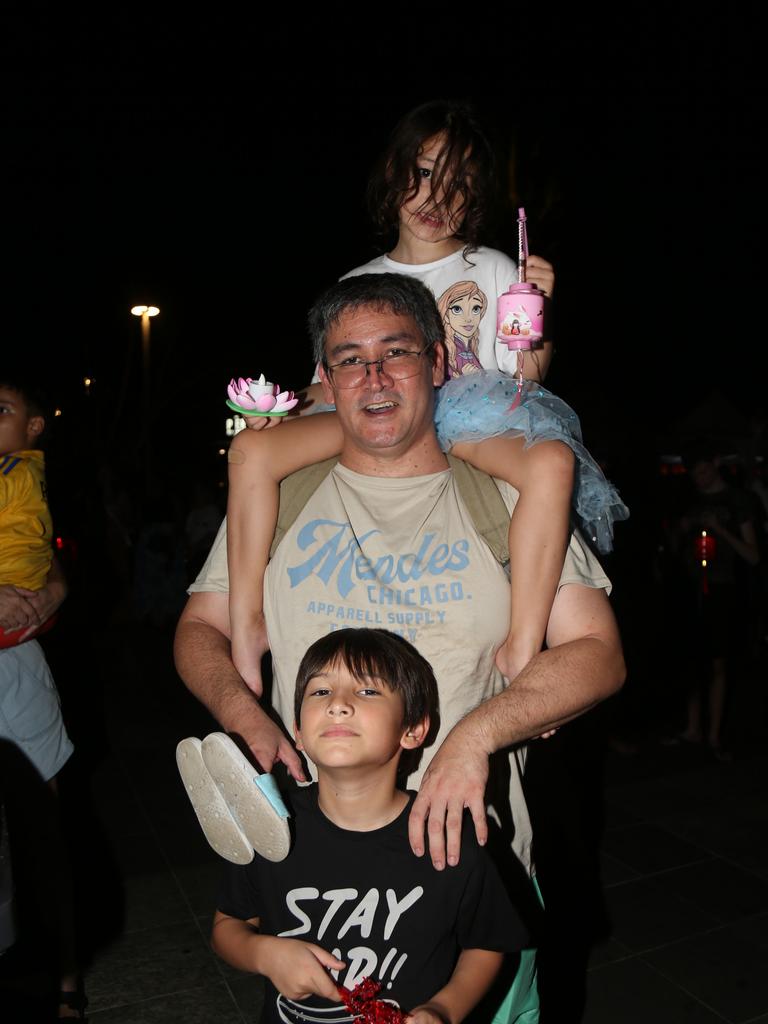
462 307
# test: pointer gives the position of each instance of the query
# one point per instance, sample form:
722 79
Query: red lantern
706 546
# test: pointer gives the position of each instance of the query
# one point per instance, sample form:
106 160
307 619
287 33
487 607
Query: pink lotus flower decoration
259 397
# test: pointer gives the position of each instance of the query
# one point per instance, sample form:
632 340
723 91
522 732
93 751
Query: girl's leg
258 461
538 534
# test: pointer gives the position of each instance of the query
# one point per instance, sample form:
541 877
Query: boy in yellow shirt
25 521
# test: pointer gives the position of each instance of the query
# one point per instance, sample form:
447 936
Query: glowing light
705 548
222 451
57 412
145 310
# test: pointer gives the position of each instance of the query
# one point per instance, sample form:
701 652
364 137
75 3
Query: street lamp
145 312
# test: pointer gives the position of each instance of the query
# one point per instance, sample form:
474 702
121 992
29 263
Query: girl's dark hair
375 653
465 169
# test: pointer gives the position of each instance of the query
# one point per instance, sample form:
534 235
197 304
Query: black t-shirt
366 898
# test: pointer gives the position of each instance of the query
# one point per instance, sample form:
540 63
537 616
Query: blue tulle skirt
483 405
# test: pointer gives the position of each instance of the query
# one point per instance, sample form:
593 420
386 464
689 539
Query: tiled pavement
685 870
684 856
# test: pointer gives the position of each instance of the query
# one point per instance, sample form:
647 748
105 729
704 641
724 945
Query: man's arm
582 666
16 610
20 607
204 661
49 598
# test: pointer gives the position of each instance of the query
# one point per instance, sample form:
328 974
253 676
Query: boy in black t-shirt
351 900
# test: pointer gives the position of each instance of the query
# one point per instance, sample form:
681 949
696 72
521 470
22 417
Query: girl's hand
511 662
262 422
541 273
247 651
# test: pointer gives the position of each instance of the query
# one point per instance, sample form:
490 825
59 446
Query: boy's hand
541 273
426 1015
298 969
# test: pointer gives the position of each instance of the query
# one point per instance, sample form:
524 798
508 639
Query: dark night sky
216 167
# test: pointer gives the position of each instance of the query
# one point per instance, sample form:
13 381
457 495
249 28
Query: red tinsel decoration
362 1002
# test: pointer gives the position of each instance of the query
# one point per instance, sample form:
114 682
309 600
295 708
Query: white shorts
30 715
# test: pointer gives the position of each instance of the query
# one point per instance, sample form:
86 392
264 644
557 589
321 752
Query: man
386 540
717 596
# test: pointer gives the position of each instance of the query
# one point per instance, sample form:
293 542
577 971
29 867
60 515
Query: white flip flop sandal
253 799
239 810
216 820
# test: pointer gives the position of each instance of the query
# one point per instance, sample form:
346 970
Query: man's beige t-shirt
400 554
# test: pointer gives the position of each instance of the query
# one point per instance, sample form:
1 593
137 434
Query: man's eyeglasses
398 365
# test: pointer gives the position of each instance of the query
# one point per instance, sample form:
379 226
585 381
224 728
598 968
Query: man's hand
298 969
269 744
45 602
17 609
455 779
541 273
203 660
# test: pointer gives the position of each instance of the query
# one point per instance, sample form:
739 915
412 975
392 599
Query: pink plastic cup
520 316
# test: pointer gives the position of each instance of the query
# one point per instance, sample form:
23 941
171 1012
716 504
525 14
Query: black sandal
74 1000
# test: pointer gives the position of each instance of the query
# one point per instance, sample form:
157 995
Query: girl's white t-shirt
460 286
467 292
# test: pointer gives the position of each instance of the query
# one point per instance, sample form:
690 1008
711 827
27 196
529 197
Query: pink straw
522 245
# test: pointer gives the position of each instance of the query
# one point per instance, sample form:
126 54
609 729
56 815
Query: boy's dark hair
399 293
379 654
32 395
466 167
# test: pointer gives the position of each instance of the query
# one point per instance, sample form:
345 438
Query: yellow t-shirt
26 529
